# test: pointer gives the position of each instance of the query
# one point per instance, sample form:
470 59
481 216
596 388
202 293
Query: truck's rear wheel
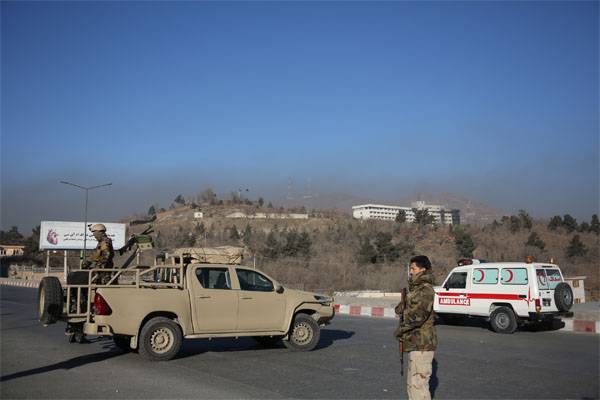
563 296
503 320
304 334
160 339
50 300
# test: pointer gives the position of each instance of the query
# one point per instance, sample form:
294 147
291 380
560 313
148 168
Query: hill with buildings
328 249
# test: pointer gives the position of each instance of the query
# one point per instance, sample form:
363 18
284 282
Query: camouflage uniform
418 334
102 256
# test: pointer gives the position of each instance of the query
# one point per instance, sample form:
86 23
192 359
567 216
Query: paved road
357 358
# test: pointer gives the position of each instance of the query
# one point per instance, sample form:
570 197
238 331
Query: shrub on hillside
569 223
576 248
464 242
534 240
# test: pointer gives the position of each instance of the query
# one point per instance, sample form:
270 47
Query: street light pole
87 189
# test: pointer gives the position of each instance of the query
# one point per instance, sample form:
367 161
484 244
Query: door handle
246 298
203 297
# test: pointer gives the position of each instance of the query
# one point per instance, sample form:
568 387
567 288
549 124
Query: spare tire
563 296
50 300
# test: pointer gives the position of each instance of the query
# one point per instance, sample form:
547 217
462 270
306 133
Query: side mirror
279 289
446 286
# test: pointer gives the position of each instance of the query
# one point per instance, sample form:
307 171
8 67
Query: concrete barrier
28 283
571 324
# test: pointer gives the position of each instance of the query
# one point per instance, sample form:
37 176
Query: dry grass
333 264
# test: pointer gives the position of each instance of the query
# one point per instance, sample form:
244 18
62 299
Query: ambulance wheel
563 296
50 300
503 320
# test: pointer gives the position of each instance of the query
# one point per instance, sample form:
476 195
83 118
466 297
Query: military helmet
98 227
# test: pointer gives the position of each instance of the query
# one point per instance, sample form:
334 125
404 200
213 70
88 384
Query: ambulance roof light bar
469 261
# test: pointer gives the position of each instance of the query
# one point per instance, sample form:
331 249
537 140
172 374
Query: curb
571 325
20 283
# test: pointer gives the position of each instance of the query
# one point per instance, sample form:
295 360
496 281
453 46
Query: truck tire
503 320
563 296
50 300
160 339
304 334
122 342
267 341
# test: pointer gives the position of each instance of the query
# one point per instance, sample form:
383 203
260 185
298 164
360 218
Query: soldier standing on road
417 330
103 255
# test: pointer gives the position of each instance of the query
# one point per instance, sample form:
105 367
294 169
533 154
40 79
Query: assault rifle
141 241
400 311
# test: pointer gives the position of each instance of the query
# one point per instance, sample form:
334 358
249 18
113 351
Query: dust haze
26 202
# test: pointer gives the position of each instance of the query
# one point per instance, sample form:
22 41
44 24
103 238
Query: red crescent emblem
482 275
541 278
510 276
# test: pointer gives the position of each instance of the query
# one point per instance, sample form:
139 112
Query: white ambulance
507 293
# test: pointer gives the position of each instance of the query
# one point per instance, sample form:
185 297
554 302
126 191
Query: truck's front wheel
160 339
304 334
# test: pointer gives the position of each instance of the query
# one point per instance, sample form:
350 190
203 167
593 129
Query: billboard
65 235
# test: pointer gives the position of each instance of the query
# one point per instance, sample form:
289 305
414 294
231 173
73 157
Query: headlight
323 299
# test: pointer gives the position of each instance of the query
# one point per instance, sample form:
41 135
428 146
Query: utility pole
87 189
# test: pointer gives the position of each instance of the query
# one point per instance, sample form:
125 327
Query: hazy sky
497 101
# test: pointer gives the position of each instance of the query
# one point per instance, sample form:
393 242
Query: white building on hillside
441 214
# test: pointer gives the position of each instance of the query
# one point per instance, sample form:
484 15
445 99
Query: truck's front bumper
325 314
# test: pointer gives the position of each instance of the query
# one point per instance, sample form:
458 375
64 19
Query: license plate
547 302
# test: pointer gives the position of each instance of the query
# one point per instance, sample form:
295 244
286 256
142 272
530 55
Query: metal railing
80 296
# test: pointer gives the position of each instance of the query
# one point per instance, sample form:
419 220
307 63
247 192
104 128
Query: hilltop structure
7 250
441 214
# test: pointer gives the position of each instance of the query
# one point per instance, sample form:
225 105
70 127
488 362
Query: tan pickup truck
153 309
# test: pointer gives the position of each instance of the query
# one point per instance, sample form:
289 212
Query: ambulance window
485 276
458 280
513 276
554 278
541 278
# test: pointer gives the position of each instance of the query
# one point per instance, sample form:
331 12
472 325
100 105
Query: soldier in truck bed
102 256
